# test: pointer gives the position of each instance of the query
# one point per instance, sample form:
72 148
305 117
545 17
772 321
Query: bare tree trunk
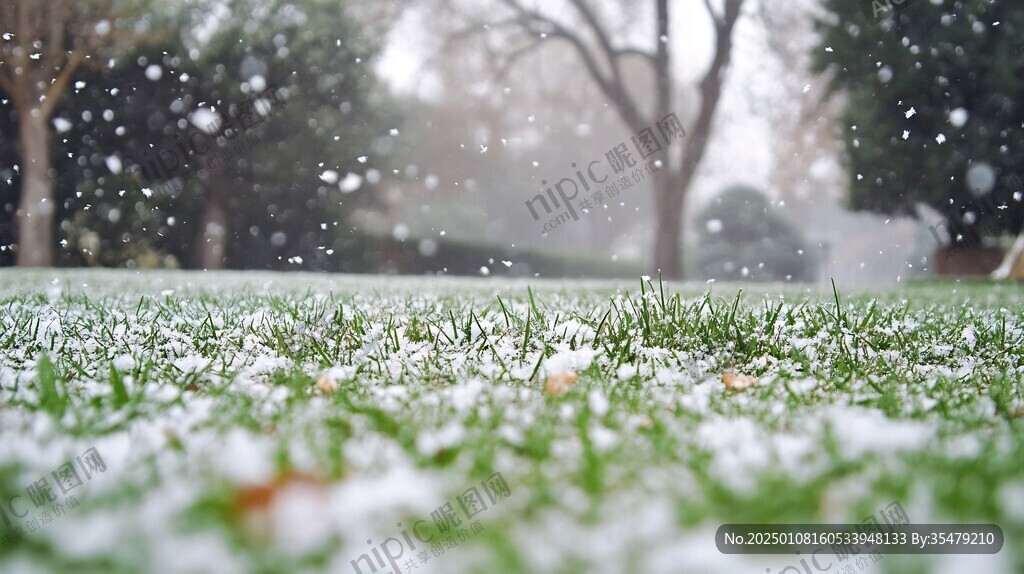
668 201
668 196
211 246
37 206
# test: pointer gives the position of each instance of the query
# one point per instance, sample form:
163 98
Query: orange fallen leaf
251 503
735 382
257 497
326 385
559 382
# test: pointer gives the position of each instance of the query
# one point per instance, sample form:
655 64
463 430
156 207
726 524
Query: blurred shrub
384 254
123 226
742 239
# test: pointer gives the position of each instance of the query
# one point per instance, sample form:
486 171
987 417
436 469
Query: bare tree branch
602 63
452 39
624 52
711 85
711 12
603 41
591 19
514 57
612 87
59 85
24 36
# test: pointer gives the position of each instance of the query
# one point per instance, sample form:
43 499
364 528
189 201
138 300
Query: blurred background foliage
743 239
318 162
934 109
248 195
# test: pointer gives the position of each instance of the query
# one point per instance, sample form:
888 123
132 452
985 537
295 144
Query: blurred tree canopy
742 239
934 107
225 141
42 46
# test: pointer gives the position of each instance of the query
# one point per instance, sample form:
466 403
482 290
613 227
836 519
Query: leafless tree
603 56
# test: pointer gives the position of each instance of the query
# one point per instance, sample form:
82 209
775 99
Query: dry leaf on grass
559 382
257 497
326 385
252 504
643 422
735 382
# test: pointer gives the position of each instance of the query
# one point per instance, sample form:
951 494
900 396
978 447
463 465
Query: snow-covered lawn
311 423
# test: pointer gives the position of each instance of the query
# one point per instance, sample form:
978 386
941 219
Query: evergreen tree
206 146
935 108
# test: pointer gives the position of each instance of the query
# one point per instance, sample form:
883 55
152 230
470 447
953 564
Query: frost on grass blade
616 402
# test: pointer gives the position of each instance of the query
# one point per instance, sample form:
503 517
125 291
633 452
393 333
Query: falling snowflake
62 125
351 183
114 164
958 117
